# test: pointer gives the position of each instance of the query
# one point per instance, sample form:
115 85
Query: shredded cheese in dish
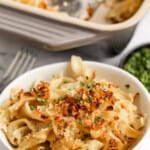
43 4
72 113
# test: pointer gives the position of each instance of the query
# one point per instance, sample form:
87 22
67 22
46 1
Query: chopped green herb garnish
87 135
36 98
127 86
66 82
96 121
40 93
89 84
43 101
50 126
77 98
105 98
88 100
33 107
81 83
47 148
99 117
70 128
61 98
80 122
31 89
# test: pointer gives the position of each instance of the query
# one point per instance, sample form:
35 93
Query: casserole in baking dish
56 31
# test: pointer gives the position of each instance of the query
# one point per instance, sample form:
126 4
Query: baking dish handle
52 35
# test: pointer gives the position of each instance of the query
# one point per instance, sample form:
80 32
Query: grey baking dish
56 32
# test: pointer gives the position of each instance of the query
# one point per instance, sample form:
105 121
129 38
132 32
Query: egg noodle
121 10
43 4
71 113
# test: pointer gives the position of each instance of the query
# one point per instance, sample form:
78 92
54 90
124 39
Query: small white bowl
103 71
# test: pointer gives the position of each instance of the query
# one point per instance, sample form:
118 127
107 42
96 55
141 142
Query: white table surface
10 44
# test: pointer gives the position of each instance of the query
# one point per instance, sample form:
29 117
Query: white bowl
103 71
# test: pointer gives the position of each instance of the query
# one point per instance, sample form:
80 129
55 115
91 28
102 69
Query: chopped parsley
71 128
31 89
50 126
36 98
88 100
47 148
81 83
77 98
69 89
105 98
89 84
33 107
80 122
43 101
87 135
65 82
40 93
127 86
97 119
61 98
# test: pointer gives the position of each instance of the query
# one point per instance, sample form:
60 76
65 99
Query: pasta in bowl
77 106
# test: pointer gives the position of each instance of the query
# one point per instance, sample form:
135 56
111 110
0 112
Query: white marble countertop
10 44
